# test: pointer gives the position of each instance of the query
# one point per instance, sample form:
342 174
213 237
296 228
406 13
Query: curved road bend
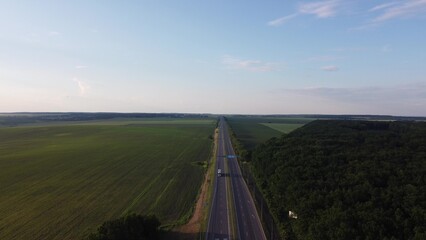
248 225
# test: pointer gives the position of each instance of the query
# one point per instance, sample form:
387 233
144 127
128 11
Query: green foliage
239 148
283 127
252 131
56 182
131 227
347 180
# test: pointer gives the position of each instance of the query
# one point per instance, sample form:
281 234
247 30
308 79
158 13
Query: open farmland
251 130
60 182
283 127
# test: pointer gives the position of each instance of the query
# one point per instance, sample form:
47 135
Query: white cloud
399 9
382 6
282 20
83 86
330 68
321 9
249 65
381 13
394 10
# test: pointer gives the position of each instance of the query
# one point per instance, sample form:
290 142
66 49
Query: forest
346 180
130 227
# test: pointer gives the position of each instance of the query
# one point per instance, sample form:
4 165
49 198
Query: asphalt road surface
219 226
247 222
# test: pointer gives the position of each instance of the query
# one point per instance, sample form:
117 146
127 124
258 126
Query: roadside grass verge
211 178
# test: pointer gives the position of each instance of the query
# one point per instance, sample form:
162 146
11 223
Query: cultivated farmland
251 130
60 182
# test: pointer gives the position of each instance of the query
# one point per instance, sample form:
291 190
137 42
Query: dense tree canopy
347 180
131 227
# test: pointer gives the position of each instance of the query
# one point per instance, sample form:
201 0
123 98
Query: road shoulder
197 225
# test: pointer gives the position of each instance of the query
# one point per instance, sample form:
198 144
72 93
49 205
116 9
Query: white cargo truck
219 172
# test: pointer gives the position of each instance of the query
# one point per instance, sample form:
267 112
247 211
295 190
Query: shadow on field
181 236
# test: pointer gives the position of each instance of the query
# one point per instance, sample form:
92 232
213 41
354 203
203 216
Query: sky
221 56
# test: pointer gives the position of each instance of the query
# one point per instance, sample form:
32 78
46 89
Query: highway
246 220
219 225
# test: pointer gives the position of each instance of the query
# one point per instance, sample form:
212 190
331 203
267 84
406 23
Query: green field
283 127
114 121
60 182
251 130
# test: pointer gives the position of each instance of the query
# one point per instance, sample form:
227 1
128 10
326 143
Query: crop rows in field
60 182
252 131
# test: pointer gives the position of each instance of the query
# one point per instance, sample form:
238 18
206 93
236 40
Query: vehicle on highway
219 172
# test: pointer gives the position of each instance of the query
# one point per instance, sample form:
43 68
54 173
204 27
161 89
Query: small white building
292 214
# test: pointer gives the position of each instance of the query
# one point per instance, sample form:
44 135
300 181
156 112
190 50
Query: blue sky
241 56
